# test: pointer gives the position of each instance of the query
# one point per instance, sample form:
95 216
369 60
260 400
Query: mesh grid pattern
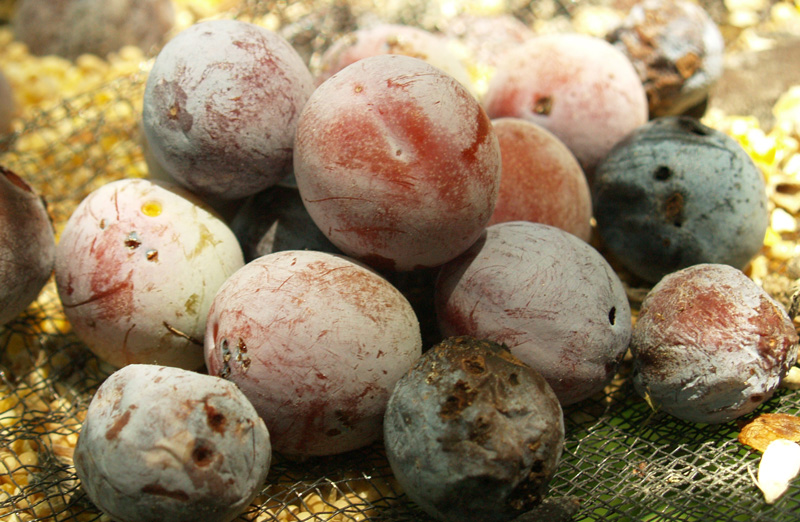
622 461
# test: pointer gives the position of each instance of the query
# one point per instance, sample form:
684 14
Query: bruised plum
397 163
137 267
473 433
221 105
69 28
161 443
316 341
710 345
27 245
546 294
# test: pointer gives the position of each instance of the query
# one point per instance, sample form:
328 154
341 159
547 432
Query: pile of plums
386 163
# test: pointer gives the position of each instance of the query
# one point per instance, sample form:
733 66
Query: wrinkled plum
161 443
542 181
579 87
27 245
473 433
676 193
69 28
137 267
710 345
547 295
385 38
397 163
677 50
316 341
276 220
221 105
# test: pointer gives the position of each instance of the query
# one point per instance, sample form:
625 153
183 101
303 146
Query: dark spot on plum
161 491
120 423
673 209
152 255
543 105
133 241
102 224
612 315
474 365
513 379
662 173
480 432
202 455
216 420
460 398
757 398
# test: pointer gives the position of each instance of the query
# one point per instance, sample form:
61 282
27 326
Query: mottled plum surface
473 433
137 267
710 345
316 341
161 443
221 105
546 294
542 181
676 193
397 163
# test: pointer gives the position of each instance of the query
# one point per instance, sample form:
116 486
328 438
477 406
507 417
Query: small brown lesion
459 399
542 105
673 209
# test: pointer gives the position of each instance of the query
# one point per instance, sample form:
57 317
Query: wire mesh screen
622 460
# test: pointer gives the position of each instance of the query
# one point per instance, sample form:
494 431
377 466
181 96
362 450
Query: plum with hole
473 433
386 38
276 220
316 341
547 295
221 105
27 245
579 87
677 50
70 28
8 106
677 193
710 345
162 443
137 267
397 163
541 181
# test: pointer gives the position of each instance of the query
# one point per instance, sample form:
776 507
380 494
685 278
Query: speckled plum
161 443
473 433
69 28
676 193
137 267
710 345
542 181
221 105
27 245
8 106
386 38
579 87
316 341
275 220
397 163
546 294
677 50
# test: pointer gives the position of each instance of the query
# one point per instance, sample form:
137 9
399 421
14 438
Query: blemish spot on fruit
662 173
133 241
673 209
152 255
474 365
612 315
543 105
358 88
460 398
102 224
191 304
202 455
151 208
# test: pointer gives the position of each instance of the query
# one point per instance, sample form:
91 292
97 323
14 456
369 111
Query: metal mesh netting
622 461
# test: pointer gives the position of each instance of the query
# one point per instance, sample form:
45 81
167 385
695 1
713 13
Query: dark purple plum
473 433
546 294
676 193
710 345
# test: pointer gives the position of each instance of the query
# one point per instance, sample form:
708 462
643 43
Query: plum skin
162 443
547 295
710 345
397 163
676 193
221 105
472 433
316 341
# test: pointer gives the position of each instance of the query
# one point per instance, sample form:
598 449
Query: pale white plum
162 443
579 87
317 342
27 245
542 181
547 295
137 267
397 163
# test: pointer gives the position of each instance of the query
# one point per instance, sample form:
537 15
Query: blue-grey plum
548 295
676 193
710 345
27 245
162 443
473 433
221 105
